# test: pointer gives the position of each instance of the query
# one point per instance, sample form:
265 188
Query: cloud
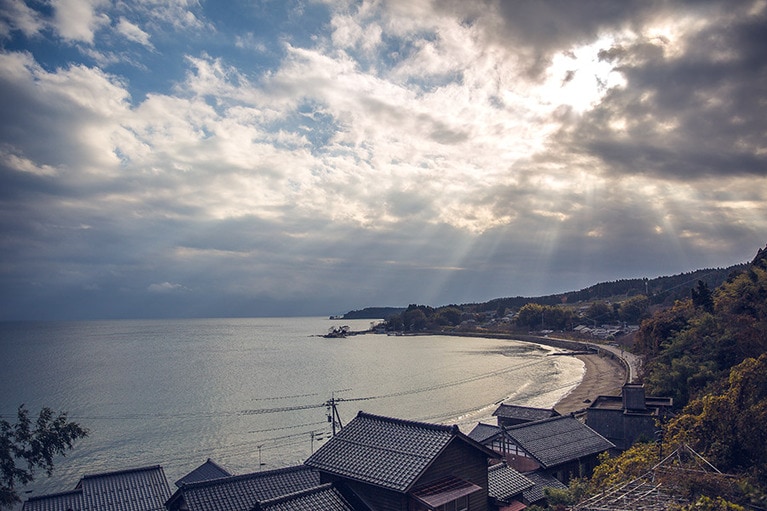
404 152
133 32
78 20
16 15
166 287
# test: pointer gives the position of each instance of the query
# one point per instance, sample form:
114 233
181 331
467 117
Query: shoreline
604 371
603 376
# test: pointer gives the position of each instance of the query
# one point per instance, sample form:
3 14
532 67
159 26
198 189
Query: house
205 472
394 464
496 439
560 446
242 492
511 415
630 417
140 489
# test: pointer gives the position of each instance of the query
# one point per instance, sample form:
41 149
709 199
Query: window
459 504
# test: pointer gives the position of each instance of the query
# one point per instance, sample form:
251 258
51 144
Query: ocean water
251 393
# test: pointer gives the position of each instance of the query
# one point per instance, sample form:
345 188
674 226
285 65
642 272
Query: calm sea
251 392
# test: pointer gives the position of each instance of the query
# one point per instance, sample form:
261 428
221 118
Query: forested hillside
709 352
692 346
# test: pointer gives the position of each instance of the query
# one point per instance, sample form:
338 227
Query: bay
250 393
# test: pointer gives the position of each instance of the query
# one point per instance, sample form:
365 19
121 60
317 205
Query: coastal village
385 463
524 458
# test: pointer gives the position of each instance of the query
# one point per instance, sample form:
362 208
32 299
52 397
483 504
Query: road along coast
606 368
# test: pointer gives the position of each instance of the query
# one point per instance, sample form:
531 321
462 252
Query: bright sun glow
579 79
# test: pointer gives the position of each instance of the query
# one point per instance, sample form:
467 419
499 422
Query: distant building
205 472
511 415
403 465
140 489
630 417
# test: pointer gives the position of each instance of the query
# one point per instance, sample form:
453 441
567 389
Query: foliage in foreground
26 447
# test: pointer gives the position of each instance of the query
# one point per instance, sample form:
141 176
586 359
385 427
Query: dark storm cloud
699 114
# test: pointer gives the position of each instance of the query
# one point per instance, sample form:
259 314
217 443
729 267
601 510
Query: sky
182 158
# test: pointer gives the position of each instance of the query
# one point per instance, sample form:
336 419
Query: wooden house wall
374 497
583 467
463 461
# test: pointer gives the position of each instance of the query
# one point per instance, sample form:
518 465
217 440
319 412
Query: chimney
633 397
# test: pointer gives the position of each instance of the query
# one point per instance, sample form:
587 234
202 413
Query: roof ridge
57 494
527 407
405 422
299 493
242 477
541 421
123 471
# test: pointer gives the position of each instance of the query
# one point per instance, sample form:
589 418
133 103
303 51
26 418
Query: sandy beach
604 376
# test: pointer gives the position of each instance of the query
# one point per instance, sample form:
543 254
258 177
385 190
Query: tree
702 297
26 447
728 426
599 312
633 309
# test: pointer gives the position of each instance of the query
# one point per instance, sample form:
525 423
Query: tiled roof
208 470
325 497
141 489
541 481
385 452
243 492
504 482
523 412
558 440
64 501
483 432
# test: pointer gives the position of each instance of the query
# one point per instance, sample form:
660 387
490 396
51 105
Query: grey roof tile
504 482
64 501
558 440
382 451
141 489
208 470
324 497
483 432
243 492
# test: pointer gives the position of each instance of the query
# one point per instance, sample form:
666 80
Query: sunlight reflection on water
177 392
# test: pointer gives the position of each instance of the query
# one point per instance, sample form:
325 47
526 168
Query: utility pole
318 437
333 416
